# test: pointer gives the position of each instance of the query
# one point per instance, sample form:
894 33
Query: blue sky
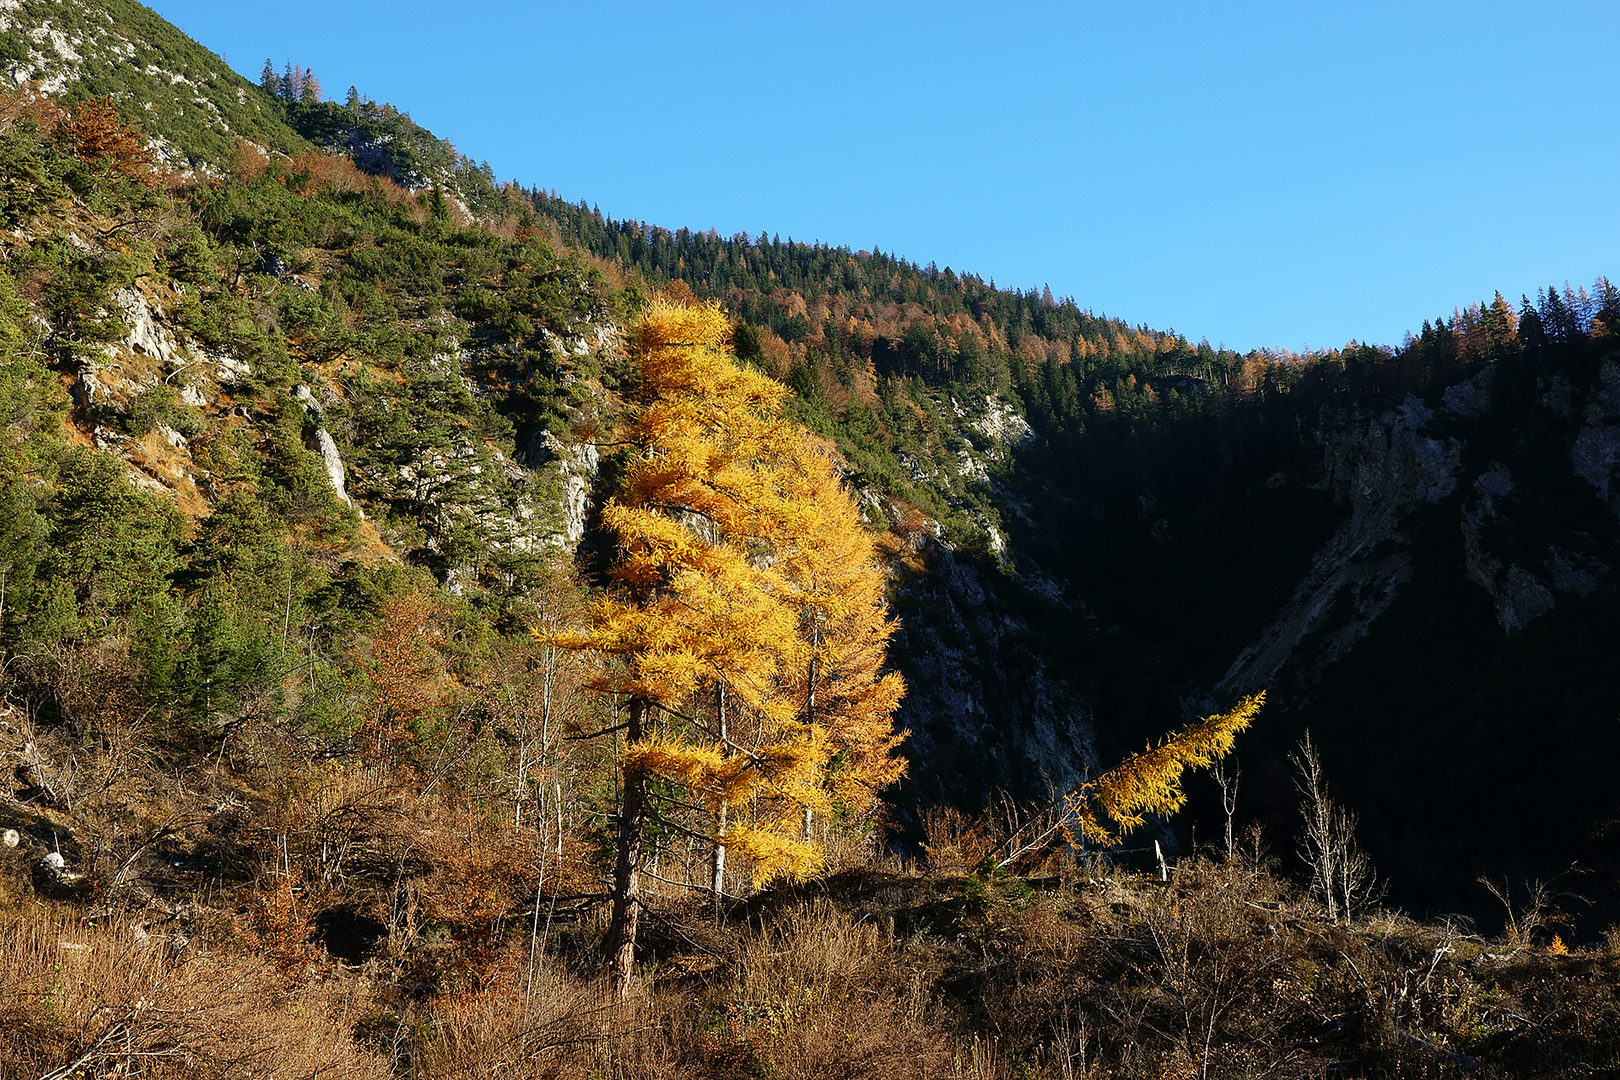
1277 174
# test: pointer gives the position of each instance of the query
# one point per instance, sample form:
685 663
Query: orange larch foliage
403 670
745 585
99 137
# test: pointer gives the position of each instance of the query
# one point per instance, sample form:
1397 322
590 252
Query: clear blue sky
1280 174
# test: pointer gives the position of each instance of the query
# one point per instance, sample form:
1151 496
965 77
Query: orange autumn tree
1103 809
1149 783
98 136
404 673
706 618
837 586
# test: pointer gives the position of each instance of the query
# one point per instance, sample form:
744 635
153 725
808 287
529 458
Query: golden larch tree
1149 783
838 587
706 619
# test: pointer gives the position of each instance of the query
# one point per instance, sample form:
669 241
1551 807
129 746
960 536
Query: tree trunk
717 863
810 718
621 937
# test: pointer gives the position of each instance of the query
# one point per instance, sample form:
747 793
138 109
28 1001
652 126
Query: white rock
1002 423
230 369
10 838
334 465
145 335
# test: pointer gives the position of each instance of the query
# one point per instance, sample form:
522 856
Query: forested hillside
380 631
1440 502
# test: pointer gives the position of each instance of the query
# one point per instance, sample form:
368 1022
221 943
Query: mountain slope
1098 529
169 84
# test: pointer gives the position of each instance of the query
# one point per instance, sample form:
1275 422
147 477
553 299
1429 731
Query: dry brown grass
555 1027
78 1001
818 993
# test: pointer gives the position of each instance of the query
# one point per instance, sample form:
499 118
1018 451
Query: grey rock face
1471 397
334 464
144 333
1596 453
578 464
1522 597
1572 573
1518 594
1558 397
1595 457
976 700
1382 465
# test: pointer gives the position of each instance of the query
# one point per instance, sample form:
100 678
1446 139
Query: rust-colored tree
404 674
99 137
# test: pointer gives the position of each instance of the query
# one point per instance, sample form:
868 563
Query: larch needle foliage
747 623
1150 782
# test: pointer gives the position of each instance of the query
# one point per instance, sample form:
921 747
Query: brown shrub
956 841
248 162
823 995
316 173
27 105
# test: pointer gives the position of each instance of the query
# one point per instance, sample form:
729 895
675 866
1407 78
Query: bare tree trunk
810 718
520 789
717 863
1341 872
1229 792
717 858
626 920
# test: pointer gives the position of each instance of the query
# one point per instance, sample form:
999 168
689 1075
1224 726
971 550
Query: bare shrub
1342 876
1221 973
1523 923
954 841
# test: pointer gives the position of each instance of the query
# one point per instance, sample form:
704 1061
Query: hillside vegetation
324 603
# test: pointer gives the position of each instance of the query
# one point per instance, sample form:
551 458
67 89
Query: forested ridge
446 631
